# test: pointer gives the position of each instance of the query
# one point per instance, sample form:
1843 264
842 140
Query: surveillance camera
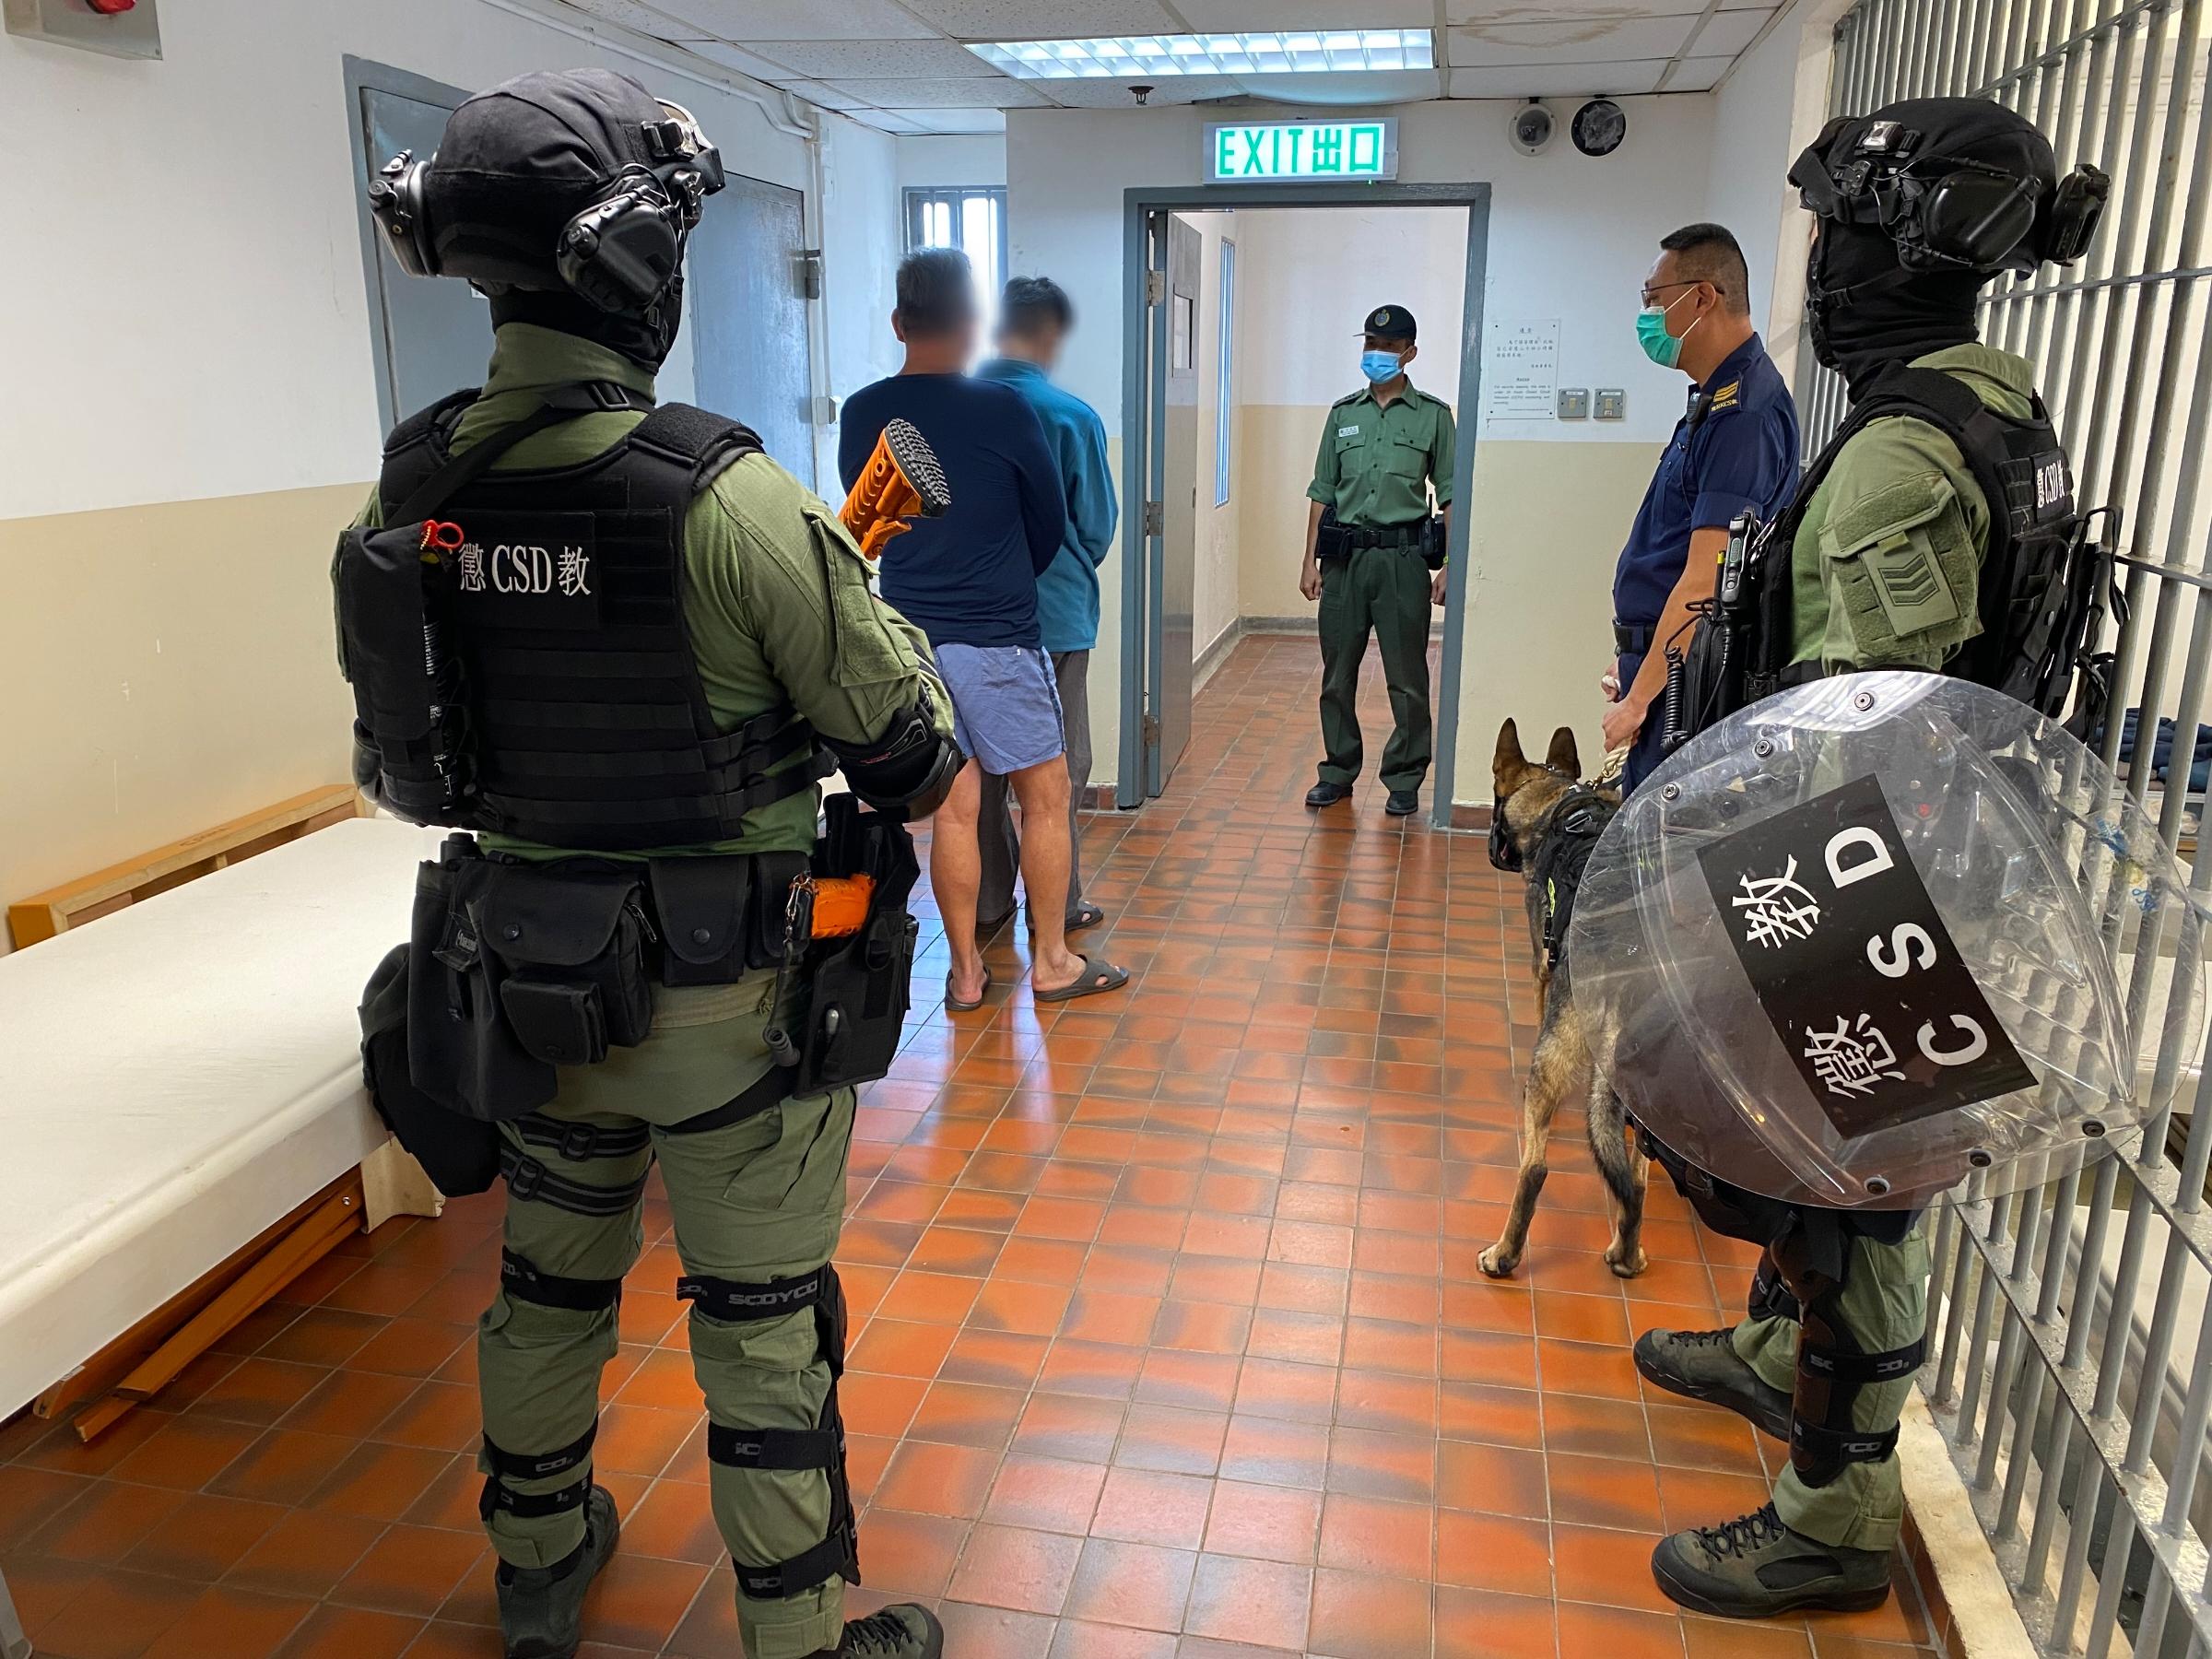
1532 128
1143 94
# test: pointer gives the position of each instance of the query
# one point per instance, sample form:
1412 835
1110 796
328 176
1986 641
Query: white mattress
176 1077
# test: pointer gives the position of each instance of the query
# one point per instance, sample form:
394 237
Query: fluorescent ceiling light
1290 52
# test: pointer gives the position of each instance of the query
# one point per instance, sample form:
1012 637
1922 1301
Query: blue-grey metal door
432 335
750 267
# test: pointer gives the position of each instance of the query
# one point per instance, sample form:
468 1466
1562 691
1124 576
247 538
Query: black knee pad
821 1447
1833 1365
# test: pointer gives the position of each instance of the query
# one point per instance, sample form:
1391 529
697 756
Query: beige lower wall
166 667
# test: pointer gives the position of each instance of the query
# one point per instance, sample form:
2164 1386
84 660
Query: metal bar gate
2072 1329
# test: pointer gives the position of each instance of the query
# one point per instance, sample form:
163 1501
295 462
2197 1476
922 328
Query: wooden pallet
105 891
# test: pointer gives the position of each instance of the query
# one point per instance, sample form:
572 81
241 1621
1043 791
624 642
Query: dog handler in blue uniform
1736 448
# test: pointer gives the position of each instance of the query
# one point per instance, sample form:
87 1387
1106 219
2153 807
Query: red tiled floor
1170 1343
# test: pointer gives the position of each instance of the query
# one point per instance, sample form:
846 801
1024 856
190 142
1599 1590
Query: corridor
1167 1337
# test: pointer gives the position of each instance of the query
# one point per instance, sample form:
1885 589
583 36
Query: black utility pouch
567 945
461 1154
703 906
409 695
858 989
460 1050
1332 541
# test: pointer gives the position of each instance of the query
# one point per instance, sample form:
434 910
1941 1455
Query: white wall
1770 106
1312 273
197 323
952 159
864 237
1214 565
1569 239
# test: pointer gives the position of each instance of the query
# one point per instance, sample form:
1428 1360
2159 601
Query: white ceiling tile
1105 94
956 121
822 93
1727 33
1249 15
1566 41
873 60
746 21
1698 74
1558 80
1045 19
635 14
889 121
967 92
1336 90
1543 11
737 58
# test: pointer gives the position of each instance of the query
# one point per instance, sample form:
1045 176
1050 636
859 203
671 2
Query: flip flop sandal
1086 916
1095 979
953 1005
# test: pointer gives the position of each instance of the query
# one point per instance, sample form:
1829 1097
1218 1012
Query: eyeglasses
1650 291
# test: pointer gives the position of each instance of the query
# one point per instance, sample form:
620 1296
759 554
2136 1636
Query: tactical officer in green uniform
1375 561
618 644
1944 496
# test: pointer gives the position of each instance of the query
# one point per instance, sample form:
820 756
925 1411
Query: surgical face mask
1663 348
1380 365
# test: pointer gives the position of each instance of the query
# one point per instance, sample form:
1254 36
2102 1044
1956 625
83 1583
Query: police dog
1573 1057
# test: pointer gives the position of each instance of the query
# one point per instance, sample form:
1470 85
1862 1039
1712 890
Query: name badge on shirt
1350 431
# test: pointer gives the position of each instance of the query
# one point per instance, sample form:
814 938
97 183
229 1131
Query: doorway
1214 273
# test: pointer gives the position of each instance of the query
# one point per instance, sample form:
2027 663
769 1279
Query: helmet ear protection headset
1948 212
618 254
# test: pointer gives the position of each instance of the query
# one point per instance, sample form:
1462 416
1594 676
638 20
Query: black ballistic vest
2042 588
547 686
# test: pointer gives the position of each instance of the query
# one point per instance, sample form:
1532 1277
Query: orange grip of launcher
901 482
841 905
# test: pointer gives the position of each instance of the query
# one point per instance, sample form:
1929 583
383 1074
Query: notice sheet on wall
1521 373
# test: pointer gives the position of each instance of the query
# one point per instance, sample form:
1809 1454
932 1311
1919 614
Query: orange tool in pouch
901 482
841 905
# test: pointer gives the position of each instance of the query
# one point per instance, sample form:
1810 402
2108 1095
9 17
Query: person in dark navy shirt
1736 448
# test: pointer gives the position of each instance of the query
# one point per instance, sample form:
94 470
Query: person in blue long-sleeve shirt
970 581
1034 321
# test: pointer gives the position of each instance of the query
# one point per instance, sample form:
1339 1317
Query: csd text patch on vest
529 570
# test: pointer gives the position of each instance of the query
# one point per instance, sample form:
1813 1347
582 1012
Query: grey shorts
1006 705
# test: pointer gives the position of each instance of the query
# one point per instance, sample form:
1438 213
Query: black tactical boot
1704 1365
1756 1567
1328 795
900 1631
541 1608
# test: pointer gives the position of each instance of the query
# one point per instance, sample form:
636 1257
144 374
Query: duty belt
1387 536
1632 639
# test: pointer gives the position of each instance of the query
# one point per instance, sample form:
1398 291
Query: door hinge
1151 731
1156 518
1156 287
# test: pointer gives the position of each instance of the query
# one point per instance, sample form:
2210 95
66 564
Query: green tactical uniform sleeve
779 597
1899 539
1325 474
1441 449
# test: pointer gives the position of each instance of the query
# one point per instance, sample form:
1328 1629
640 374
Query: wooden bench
104 892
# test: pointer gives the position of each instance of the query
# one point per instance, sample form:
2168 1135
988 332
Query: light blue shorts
1006 705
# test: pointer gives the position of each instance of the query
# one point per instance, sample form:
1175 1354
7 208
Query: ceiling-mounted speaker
1532 128
1599 127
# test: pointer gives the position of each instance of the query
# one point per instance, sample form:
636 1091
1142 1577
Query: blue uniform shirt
1067 590
1736 448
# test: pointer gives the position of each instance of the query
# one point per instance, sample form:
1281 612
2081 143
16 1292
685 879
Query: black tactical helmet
573 182
1957 184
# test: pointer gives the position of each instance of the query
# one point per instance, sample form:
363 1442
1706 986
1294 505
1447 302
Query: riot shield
1883 933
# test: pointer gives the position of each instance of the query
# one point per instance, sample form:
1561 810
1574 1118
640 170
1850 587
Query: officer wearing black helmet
1937 533
621 645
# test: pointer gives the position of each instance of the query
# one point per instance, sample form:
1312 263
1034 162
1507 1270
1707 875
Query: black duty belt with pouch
1339 540
516 967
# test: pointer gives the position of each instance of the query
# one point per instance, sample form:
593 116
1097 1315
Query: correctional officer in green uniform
1887 558
775 606
1381 450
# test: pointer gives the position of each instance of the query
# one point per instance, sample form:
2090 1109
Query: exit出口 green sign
1267 151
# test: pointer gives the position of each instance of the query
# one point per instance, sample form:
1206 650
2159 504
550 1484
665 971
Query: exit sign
1266 152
